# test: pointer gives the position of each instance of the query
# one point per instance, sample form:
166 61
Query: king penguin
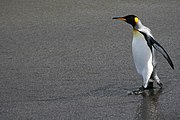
144 47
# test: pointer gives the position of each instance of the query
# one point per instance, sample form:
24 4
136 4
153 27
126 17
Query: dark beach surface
67 59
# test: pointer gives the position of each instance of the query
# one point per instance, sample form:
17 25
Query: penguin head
131 19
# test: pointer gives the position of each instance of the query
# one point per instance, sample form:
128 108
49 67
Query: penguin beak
119 18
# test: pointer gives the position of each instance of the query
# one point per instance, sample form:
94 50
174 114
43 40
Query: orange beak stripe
119 18
123 19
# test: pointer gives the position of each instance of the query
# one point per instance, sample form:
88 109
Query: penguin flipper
160 49
151 42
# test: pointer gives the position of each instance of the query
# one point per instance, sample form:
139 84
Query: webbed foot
160 84
139 91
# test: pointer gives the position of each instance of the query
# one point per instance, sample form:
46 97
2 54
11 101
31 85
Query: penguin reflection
148 109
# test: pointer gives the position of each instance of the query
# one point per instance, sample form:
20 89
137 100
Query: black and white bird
143 49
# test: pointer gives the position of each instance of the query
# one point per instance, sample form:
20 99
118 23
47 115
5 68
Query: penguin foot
160 84
150 85
135 92
147 88
139 91
142 88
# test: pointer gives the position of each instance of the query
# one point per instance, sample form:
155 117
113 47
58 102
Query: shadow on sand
148 109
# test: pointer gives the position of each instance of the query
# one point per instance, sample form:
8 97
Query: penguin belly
142 56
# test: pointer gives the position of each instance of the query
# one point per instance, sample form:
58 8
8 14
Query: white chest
141 52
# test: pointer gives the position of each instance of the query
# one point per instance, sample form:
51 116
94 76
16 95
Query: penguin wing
160 49
151 42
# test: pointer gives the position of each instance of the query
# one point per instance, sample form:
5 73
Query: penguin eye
136 20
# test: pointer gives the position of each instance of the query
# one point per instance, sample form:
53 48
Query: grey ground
68 60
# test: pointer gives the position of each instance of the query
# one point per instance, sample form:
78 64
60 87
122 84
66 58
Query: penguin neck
138 26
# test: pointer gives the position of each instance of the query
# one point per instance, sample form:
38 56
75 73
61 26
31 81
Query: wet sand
69 60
